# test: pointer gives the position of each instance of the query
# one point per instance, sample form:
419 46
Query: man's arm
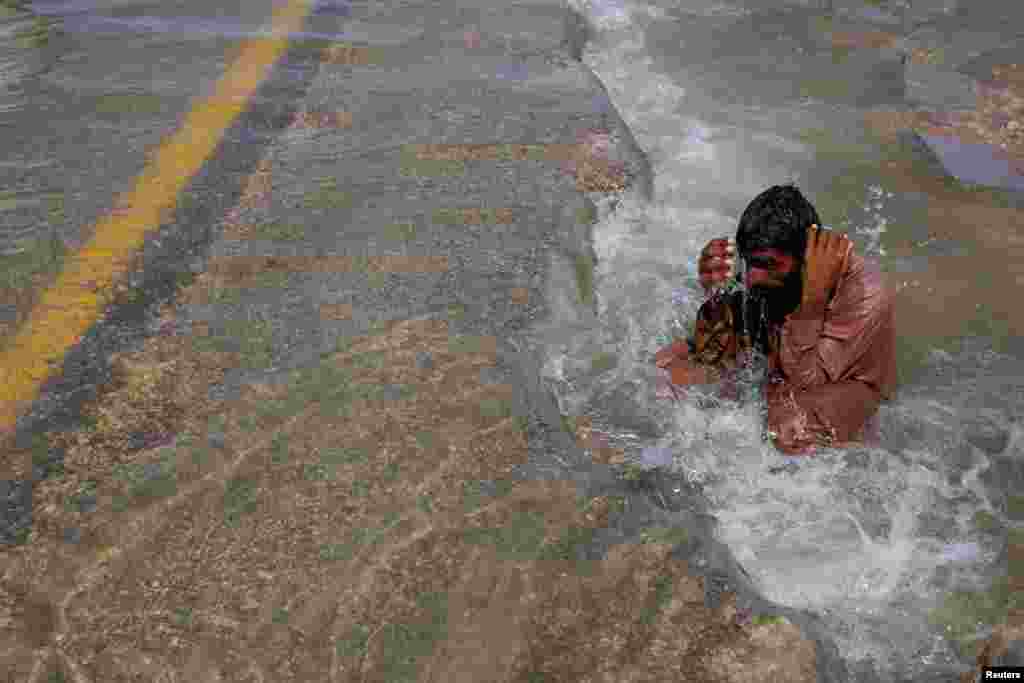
696 361
716 341
705 358
820 349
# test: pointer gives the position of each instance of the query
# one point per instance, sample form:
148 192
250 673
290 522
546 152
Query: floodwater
91 88
727 100
22 57
79 114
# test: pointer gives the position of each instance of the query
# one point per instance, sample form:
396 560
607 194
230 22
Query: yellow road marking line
74 302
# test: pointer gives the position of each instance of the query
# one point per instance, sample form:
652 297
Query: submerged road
454 177
75 301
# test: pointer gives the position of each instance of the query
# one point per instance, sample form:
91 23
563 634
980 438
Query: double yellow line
75 301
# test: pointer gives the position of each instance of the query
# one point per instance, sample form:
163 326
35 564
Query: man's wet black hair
778 218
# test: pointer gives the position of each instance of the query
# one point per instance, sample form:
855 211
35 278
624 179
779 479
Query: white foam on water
839 533
876 223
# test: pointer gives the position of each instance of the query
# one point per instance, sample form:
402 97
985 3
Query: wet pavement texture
520 84
549 101
728 98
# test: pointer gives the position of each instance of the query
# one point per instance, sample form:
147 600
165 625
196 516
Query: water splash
875 227
870 537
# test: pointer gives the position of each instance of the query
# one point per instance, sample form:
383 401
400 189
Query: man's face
774 276
769 270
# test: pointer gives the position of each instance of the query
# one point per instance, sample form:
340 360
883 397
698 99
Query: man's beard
781 301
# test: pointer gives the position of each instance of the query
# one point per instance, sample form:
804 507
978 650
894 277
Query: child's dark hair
778 218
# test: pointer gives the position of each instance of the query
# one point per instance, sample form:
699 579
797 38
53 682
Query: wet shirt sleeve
716 340
853 341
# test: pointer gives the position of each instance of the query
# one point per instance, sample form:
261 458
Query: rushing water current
874 538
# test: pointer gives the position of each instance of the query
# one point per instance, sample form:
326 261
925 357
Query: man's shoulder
865 284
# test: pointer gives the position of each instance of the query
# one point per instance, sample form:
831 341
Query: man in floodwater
821 315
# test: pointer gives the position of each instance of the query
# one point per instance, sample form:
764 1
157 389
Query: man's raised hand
824 261
717 264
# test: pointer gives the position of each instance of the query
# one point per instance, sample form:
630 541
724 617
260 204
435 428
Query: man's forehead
768 252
